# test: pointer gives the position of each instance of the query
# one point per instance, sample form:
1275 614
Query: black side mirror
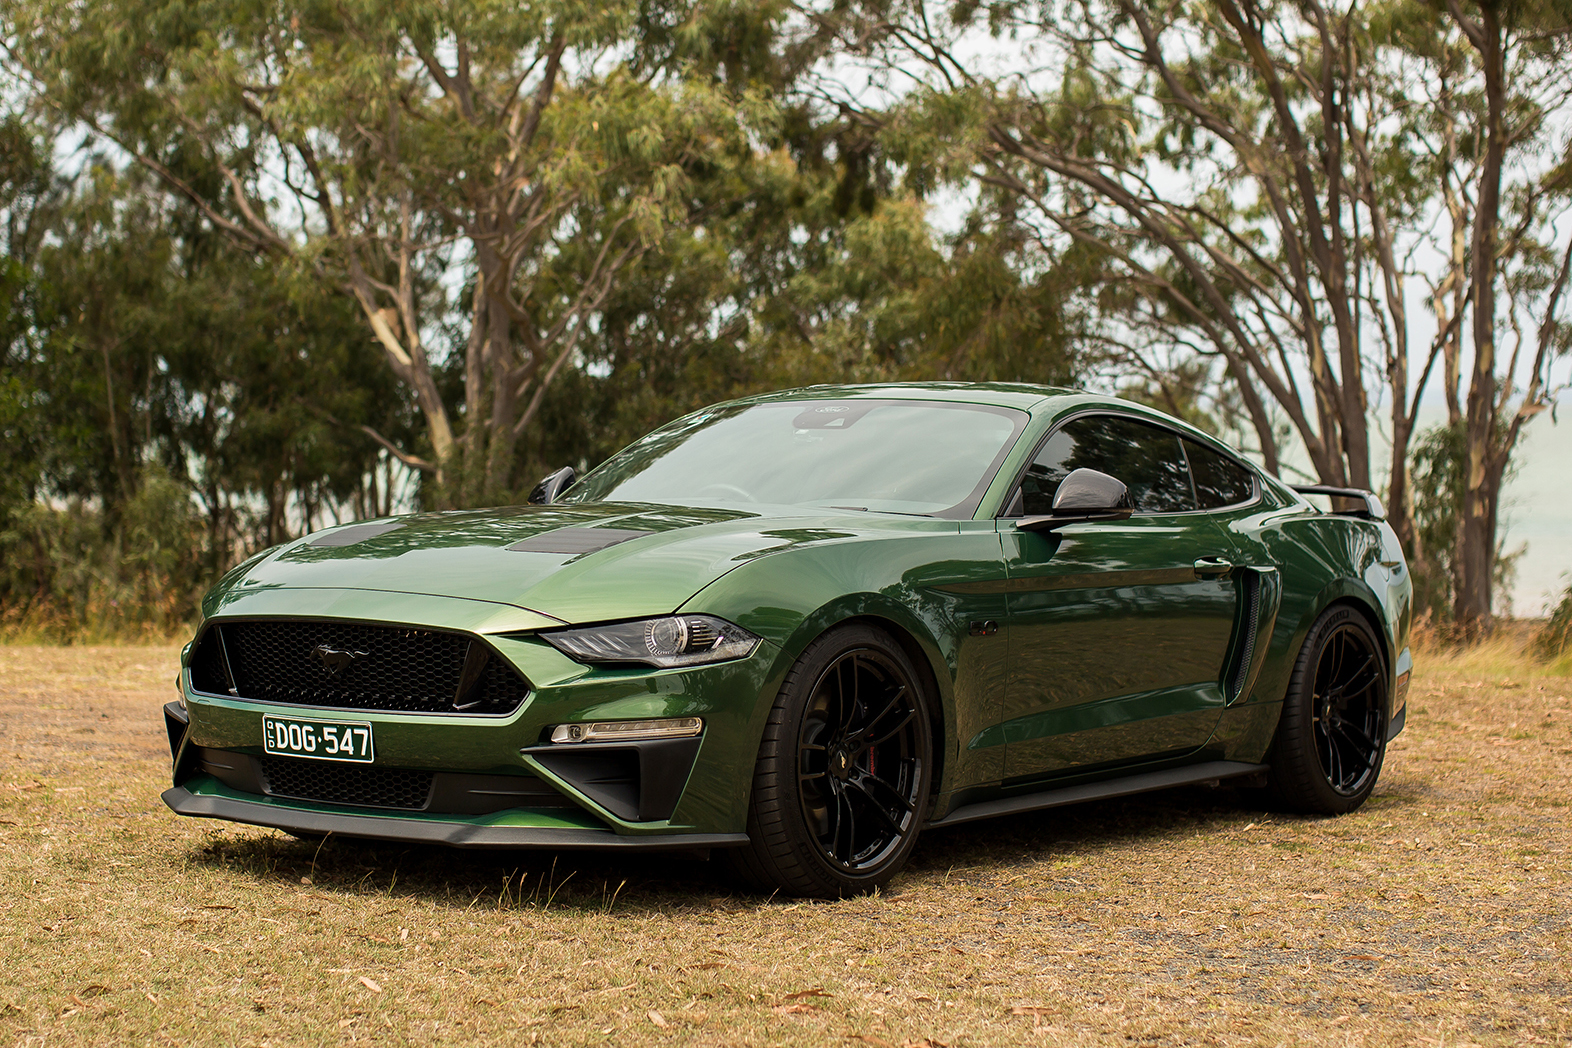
552 485
1083 496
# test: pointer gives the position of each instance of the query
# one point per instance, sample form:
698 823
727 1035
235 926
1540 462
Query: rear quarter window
1219 480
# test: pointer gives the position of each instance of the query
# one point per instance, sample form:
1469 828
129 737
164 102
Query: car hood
570 562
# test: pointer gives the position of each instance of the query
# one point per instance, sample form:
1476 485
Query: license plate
319 740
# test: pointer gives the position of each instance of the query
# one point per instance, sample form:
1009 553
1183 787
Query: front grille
351 665
336 783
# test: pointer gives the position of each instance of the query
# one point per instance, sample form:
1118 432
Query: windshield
892 456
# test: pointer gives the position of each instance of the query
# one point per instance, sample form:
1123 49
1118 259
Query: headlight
674 640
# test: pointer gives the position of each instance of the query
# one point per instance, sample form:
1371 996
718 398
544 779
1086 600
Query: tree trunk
1398 510
1474 563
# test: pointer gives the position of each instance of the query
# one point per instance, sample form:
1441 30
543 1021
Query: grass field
1440 914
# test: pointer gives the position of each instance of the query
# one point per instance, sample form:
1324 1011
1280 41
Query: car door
1118 630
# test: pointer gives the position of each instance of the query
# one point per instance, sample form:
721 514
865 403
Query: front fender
931 585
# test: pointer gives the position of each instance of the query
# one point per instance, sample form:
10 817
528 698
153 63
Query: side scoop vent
1260 595
1250 600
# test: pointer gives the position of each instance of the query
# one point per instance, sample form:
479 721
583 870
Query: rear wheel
841 785
1332 737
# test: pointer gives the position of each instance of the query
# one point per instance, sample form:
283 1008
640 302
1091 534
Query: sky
1536 512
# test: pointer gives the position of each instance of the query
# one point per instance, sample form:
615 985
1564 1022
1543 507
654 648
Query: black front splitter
419 831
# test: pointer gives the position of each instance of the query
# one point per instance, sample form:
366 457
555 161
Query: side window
1148 459
1219 480
1044 474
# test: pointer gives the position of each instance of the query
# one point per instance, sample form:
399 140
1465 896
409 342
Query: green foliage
1439 462
1189 389
159 330
66 574
1437 500
164 400
1555 639
398 152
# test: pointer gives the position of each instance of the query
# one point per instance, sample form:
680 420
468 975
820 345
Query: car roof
1054 401
1021 395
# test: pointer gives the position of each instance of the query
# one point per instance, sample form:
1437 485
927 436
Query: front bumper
673 794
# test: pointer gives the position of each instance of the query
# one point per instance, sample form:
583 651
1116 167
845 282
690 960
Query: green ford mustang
797 629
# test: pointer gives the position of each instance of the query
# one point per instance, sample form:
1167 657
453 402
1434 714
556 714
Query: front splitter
424 831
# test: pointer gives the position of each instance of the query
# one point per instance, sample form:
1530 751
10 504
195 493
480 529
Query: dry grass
1439 914
1509 652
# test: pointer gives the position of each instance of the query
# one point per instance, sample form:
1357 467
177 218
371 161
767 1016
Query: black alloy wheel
859 765
1332 737
841 787
1347 716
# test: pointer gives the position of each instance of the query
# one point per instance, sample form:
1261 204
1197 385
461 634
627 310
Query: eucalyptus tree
400 153
1522 183
29 199
164 396
1483 106
816 265
1258 178
1224 160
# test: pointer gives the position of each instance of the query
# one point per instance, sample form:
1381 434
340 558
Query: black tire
1332 737
849 738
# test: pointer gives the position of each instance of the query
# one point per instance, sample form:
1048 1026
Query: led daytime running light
628 731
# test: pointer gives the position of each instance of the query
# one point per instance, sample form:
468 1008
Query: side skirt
1211 771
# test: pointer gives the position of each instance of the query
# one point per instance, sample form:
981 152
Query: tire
1332 737
842 782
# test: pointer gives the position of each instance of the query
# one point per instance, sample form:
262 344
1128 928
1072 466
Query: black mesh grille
207 666
337 783
348 665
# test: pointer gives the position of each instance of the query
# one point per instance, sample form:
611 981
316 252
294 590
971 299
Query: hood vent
577 541
356 533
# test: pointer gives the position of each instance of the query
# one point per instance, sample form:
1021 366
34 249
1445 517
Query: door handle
1212 567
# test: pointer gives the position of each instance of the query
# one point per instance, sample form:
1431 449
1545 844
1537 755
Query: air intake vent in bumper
335 783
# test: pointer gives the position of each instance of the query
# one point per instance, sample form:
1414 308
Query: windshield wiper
896 512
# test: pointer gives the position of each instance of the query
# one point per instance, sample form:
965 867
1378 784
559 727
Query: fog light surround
628 731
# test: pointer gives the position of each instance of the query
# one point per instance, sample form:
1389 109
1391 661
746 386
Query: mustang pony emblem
334 660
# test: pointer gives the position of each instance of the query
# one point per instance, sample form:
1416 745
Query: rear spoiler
1373 509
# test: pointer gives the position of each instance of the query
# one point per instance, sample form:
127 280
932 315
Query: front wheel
841 785
1332 737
